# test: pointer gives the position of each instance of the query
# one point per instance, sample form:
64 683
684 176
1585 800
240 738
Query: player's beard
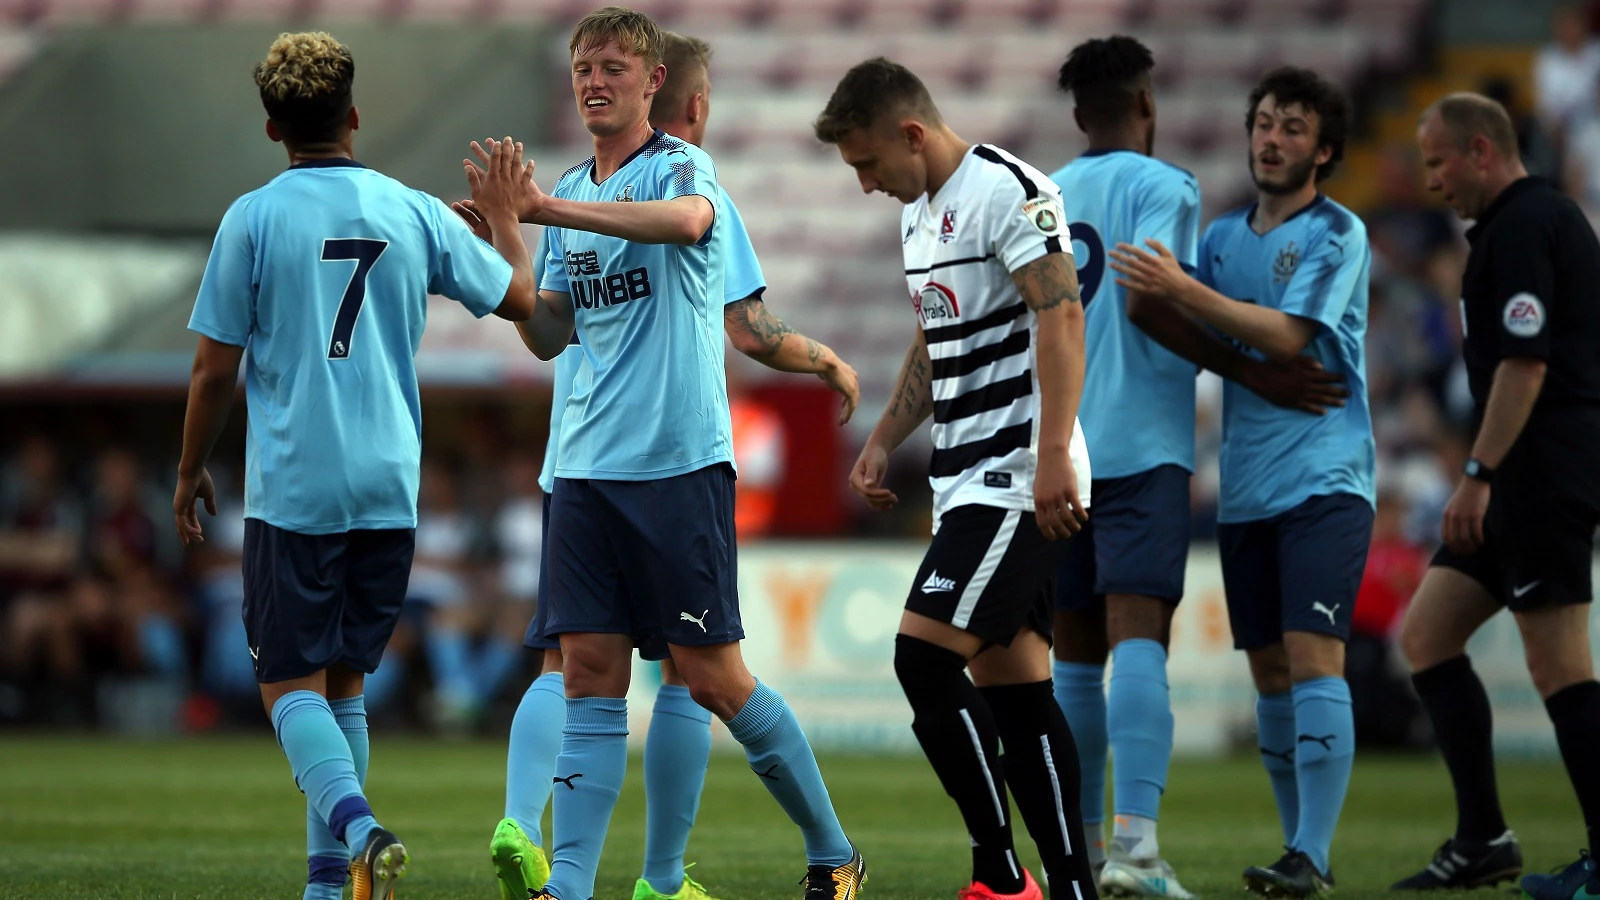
1294 178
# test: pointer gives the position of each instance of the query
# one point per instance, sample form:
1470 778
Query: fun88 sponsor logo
591 288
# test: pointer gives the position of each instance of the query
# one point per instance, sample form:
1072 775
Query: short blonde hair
636 32
687 60
306 82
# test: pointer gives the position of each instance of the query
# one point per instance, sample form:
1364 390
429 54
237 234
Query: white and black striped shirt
995 215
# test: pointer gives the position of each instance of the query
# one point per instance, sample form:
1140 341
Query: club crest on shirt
1284 266
1523 316
935 302
947 225
625 195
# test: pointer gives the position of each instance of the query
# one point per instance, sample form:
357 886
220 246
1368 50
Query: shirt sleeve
1323 284
685 174
551 247
1522 285
741 271
1170 213
1026 228
465 268
224 309
1202 262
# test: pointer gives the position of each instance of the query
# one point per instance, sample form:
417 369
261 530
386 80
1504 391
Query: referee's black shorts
989 572
1538 548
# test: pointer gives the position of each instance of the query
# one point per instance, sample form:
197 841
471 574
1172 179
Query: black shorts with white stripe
989 572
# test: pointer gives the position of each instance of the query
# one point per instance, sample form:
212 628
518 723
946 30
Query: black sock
1462 723
958 735
1041 764
1575 711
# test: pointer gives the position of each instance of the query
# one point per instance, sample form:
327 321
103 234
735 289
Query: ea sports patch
1045 214
1523 316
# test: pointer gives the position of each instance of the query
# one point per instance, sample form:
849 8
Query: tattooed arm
911 403
1049 286
768 340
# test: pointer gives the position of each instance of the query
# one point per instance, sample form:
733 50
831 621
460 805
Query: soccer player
678 745
641 518
1122 578
1519 530
1288 275
997 360
321 278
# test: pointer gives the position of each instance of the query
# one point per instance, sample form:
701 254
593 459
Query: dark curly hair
1305 88
1104 77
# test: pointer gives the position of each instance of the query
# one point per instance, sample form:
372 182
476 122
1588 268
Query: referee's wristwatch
1478 471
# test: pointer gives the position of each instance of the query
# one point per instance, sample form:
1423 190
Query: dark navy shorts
655 560
314 600
1297 571
534 638
1136 542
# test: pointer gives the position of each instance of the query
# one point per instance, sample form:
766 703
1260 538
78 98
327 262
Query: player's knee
1425 647
1553 672
923 667
1131 617
1081 638
553 662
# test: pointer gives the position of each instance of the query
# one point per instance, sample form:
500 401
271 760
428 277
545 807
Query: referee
1519 530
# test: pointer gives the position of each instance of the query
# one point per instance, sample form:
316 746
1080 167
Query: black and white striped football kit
989 571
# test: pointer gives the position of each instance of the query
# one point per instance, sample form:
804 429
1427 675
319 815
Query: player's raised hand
841 378
1300 383
532 199
1057 505
469 213
500 188
192 488
1158 274
866 478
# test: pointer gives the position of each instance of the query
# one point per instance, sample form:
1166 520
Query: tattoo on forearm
813 351
1048 282
752 316
912 396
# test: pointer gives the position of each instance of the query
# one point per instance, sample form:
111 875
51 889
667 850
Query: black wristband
1477 471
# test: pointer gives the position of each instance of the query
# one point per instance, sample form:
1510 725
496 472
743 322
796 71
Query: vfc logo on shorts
947 226
1284 266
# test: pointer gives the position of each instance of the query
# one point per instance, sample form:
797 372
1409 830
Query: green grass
221 818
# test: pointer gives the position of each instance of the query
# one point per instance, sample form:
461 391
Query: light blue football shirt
323 275
1315 265
648 318
1137 410
742 279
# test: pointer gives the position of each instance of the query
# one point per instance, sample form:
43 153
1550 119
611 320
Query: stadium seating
830 253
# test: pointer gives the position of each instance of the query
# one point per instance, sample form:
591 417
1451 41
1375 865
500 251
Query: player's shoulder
570 177
1539 203
664 149
1327 218
1005 176
1229 221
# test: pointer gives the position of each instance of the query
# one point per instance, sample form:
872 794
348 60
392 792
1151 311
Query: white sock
1135 837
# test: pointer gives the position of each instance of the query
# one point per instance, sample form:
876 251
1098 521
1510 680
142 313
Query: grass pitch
92 818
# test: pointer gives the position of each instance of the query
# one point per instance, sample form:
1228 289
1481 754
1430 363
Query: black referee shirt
1532 289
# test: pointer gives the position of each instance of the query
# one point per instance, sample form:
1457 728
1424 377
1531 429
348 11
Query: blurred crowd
105 618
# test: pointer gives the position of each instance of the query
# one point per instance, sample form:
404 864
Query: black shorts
655 560
1136 541
1299 570
989 572
1538 547
313 600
